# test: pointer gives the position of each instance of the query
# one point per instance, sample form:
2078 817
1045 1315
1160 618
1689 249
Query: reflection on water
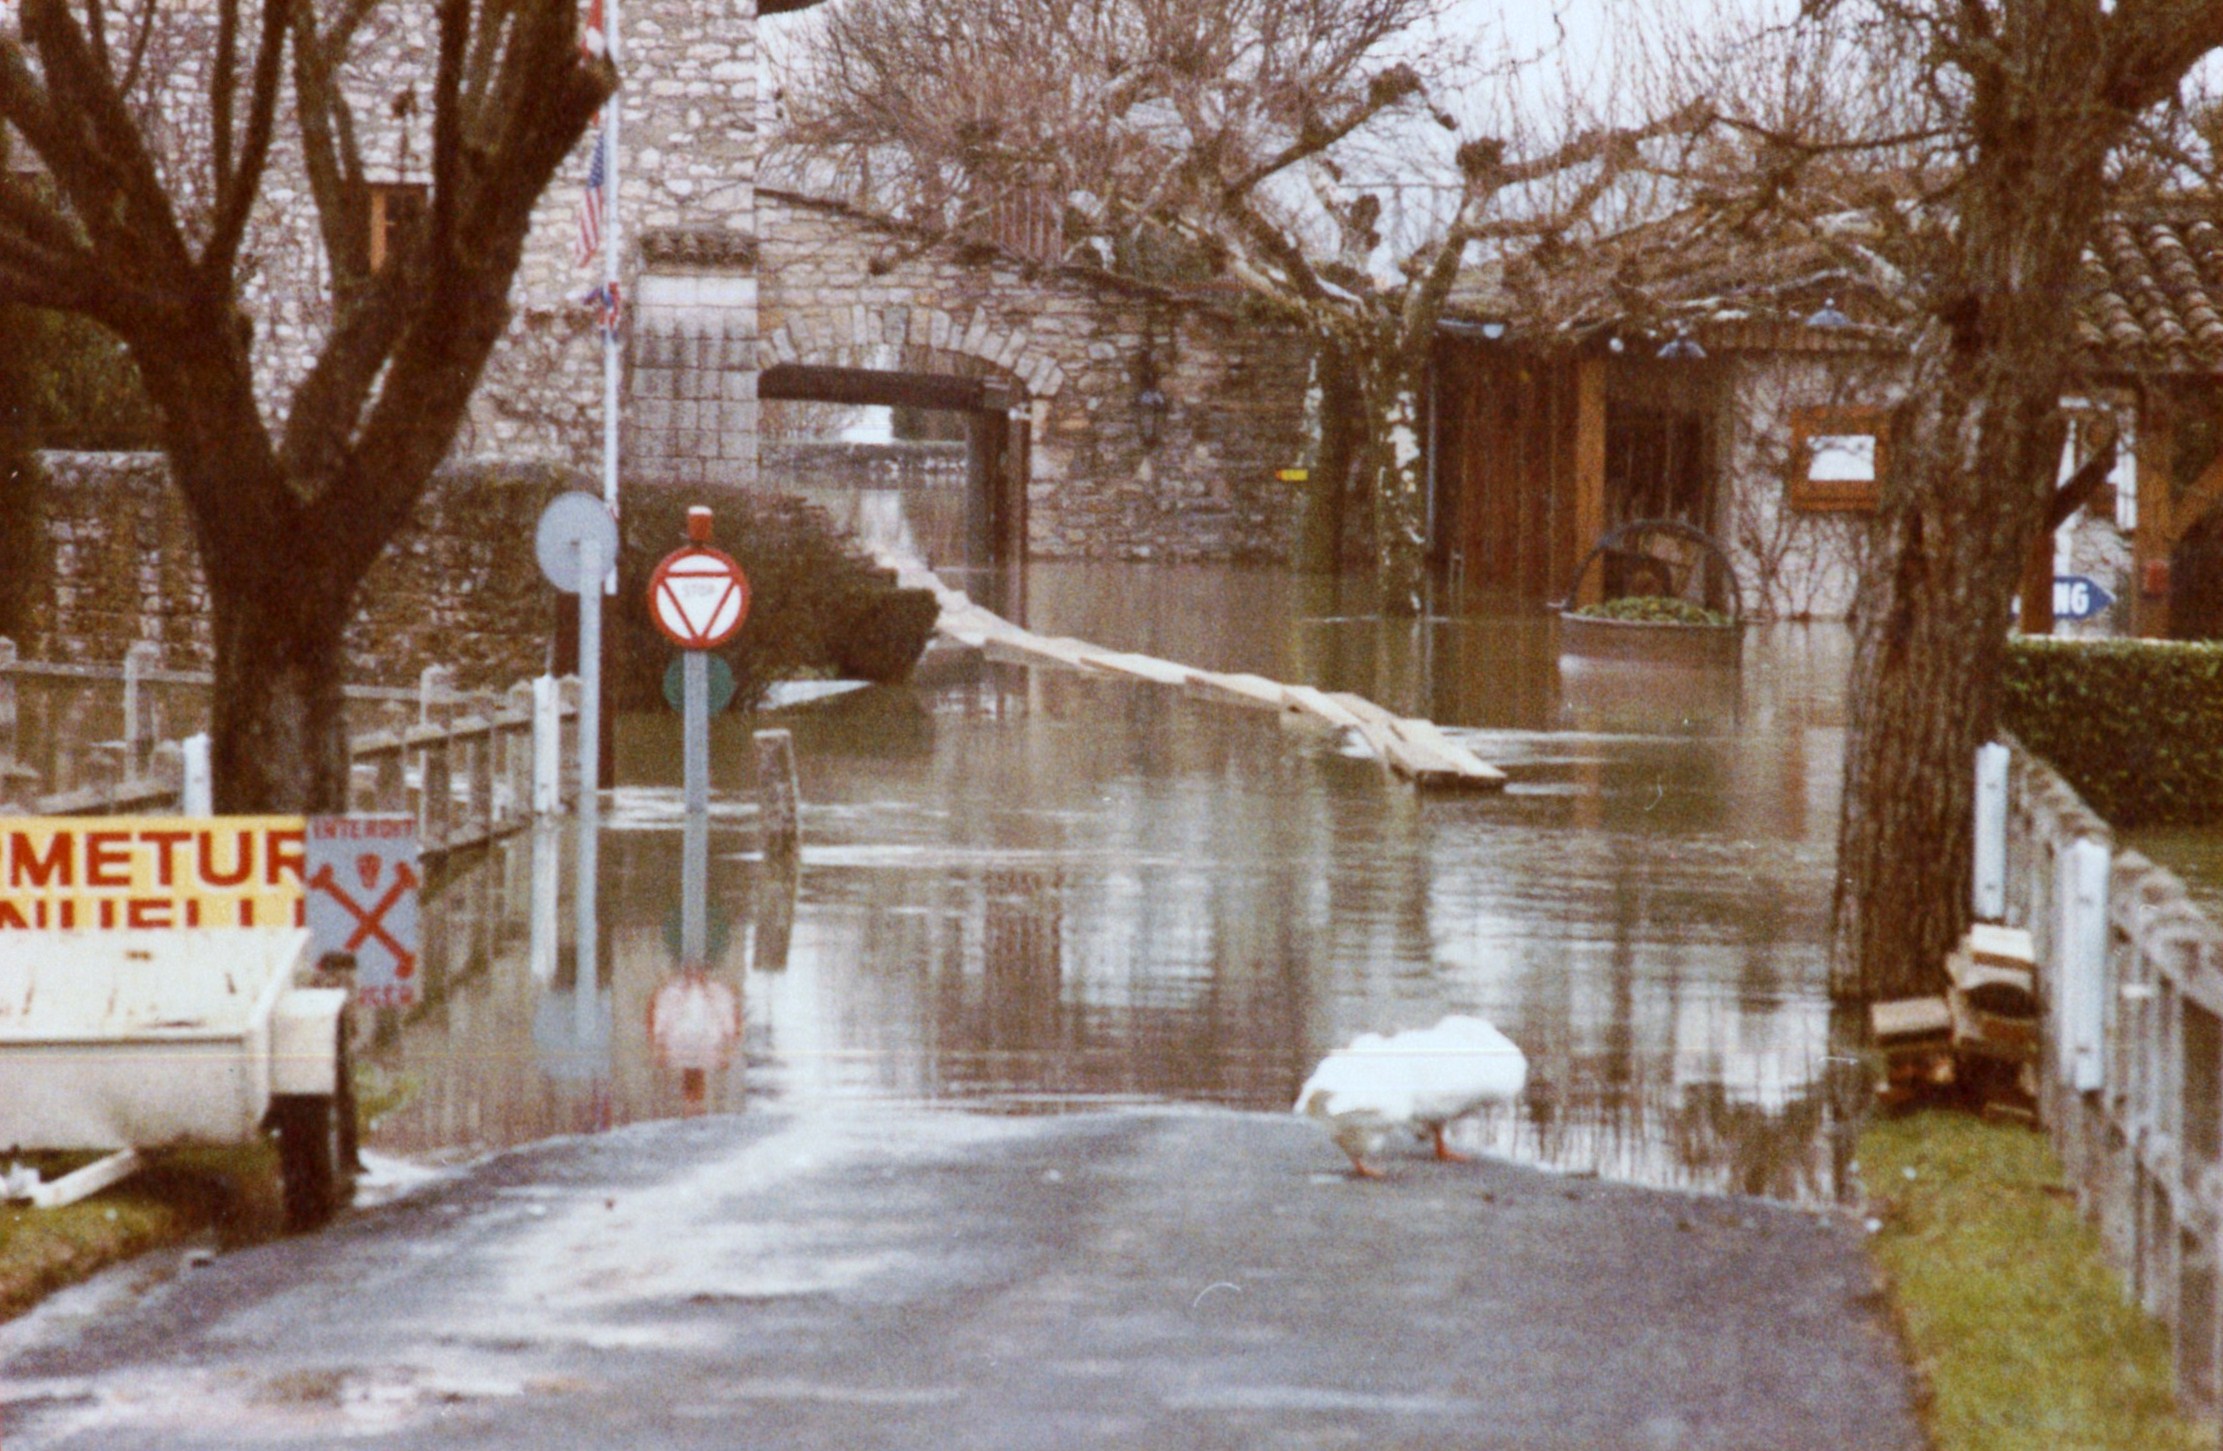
1023 891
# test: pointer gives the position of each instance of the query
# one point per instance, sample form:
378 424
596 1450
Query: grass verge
181 1194
2019 1327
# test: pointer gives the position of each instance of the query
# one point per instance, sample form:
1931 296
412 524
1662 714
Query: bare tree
1980 143
1271 142
144 222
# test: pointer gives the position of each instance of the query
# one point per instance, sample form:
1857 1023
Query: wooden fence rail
465 770
2132 1083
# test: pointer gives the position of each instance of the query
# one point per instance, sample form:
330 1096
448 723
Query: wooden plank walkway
1416 750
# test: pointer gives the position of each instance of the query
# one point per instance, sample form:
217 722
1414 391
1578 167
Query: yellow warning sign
101 872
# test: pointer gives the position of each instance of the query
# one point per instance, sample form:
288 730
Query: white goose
1422 1078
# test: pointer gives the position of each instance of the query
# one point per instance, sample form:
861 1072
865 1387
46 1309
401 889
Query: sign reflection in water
1025 892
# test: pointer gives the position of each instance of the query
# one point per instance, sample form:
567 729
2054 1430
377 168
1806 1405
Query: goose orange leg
1360 1169
1444 1151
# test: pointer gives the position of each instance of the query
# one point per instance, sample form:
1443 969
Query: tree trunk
1394 470
1337 483
1978 445
278 730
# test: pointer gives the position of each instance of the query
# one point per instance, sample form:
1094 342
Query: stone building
728 287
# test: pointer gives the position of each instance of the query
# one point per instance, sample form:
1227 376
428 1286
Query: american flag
589 238
608 306
591 39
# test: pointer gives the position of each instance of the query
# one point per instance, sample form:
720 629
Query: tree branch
236 199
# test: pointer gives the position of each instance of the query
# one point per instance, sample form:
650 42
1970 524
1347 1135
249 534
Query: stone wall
689 114
460 587
839 289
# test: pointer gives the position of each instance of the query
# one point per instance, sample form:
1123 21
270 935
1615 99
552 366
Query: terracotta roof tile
2156 293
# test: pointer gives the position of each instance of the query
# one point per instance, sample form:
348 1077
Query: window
1839 457
397 208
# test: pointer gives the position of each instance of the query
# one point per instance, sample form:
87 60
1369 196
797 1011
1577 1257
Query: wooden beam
2155 537
1589 474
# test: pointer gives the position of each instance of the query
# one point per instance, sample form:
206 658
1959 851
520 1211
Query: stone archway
998 433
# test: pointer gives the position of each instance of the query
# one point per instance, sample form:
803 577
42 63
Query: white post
2079 986
612 255
547 896
199 795
694 862
547 746
435 688
1991 832
137 739
592 566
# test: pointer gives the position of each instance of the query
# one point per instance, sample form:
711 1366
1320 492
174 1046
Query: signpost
362 880
576 543
698 597
2078 598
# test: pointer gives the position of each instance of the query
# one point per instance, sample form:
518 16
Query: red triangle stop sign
698 597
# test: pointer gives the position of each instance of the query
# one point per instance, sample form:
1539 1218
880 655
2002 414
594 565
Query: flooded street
1024 891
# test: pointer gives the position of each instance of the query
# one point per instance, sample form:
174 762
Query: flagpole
612 29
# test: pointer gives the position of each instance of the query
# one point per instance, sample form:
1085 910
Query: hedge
817 605
2136 726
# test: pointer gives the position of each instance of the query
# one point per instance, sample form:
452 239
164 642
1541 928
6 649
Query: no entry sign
698 597
362 880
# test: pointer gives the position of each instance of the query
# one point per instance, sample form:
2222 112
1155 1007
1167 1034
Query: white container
146 1039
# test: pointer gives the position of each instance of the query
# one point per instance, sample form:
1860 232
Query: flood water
1026 891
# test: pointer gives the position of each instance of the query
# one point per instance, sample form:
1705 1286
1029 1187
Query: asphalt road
915 1279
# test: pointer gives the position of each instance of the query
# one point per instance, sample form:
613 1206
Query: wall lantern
1827 316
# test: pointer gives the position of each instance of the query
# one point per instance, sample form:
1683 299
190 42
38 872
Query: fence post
433 806
481 738
7 701
138 740
1991 832
777 794
547 747
2080 963
198 797
435 688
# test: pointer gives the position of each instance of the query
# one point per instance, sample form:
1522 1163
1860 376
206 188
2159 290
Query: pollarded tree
157 124
2015 126
1259 139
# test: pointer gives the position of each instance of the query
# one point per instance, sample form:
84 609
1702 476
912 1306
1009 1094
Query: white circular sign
576 539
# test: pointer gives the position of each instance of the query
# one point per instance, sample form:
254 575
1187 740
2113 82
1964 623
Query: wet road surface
872 1276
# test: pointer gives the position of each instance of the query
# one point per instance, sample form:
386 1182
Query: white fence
2131 978
471 768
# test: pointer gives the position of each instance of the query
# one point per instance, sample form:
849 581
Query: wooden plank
1472 769
1319 704
1910 1020
1142 667
1238 689
1589 503
1366 710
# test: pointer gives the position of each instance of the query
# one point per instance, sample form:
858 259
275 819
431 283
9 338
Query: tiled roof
2154 298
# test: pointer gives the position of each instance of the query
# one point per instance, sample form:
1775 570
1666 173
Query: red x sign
361 879
698 597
